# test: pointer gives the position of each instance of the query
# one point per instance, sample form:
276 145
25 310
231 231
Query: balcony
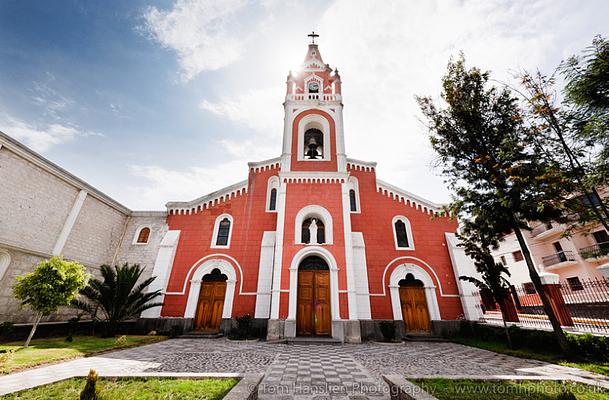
543 231
596 252
559 260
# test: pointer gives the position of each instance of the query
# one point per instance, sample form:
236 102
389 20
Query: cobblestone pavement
299 371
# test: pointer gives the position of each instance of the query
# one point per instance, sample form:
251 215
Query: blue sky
161 101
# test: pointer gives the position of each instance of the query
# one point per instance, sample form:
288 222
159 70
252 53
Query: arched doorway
211 302
414 305
313 314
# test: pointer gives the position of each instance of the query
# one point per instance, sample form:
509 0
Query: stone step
423 338
200 335
313 340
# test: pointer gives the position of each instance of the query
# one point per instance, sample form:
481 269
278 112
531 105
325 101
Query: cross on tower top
313 35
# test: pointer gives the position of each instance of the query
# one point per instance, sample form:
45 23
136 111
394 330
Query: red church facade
312 243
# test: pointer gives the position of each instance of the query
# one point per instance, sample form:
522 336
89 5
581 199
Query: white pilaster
361 272
69 223
279 233
463 266
162 269
351 294
265 276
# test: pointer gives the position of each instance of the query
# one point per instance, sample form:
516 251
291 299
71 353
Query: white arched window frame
314 121
320 82
138 231
214 238
273 183
314 211
353 184
408 233
5 260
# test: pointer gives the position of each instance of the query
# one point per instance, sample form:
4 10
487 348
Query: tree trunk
36 322
503 315
560 335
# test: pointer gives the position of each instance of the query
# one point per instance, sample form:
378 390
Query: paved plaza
299 371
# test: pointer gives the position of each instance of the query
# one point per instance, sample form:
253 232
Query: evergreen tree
489 158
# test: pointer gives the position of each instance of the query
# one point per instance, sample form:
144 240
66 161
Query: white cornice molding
207 201
404 196
313 177
361 165
265 164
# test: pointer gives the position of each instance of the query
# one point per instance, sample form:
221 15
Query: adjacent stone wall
36 198
33 203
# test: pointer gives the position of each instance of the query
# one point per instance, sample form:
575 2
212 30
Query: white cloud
201 32
41 138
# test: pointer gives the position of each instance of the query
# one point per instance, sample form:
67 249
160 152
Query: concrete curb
246 389
401 389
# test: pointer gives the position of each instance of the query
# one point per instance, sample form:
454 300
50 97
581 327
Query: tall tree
118 296
488 157
52 284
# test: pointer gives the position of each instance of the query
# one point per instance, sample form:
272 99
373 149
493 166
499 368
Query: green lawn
597 367
134 389
466 389
43 351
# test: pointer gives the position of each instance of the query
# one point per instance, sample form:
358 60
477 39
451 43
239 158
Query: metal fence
586 301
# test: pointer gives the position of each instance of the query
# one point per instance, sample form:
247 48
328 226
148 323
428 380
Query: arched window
317 229
272 188
352 200
222 231
5 260
142 234
273 200
402 233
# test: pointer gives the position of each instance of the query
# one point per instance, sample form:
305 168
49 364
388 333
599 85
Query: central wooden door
313 304
210 307
414 309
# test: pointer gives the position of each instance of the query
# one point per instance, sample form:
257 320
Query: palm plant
118 296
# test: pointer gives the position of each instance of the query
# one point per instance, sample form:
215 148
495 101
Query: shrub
6 356
121 341
176 330
388 330
244 325
6 328
589 346
90 391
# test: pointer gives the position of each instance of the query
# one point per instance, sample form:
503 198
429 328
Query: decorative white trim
317 212
327 256
265 276
207 201
195 286
360 269
430 290
207 257
214 238
358 165
258 166
384 293
349 265
313 177
69 222
353 184
280 226
5 261
409 236
314 121
273 183
407 198
137 235
162 269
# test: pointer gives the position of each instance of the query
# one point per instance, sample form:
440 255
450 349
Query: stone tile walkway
299 371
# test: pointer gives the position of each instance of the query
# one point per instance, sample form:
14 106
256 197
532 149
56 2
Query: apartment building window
575 284
503 260
529 288
518 255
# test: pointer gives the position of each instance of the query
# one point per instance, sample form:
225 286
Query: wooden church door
313 316
211 302
414 306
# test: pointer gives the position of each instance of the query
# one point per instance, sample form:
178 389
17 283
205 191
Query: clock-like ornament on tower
313 87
